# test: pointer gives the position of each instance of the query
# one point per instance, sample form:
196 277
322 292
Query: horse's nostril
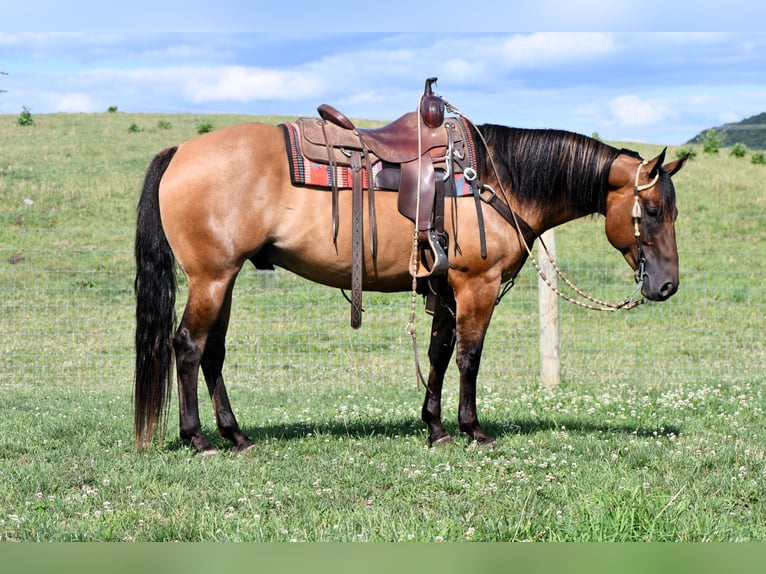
668 289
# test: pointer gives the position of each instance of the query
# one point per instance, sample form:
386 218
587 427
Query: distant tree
204 127
738 150
25 117
688 151
713 141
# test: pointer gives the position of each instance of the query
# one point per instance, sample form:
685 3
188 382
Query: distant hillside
751 132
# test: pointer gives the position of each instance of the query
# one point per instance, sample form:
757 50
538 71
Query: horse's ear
653 164
674 167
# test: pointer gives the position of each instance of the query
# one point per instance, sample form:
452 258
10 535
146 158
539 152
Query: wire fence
67 321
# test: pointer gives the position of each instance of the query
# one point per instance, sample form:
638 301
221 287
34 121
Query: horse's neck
541 218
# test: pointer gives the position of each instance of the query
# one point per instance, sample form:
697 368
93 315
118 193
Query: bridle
636 215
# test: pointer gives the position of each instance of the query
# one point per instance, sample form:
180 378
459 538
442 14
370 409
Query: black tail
155 288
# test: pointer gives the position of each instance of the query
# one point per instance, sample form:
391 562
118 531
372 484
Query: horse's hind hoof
443 441
212 451
245 448
487 443
480 438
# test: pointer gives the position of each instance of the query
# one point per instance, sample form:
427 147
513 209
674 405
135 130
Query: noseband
636 215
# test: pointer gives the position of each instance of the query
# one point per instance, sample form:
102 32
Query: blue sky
660 87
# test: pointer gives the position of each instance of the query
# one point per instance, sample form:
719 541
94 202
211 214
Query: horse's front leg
439 354
474 311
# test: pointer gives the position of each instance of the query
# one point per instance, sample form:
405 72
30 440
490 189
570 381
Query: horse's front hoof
212 451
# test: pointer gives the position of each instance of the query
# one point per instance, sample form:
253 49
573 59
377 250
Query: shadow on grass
530 426
501 430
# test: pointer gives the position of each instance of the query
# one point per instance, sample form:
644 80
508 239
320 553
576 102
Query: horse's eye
651 211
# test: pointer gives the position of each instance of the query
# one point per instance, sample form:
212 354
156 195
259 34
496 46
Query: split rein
597 304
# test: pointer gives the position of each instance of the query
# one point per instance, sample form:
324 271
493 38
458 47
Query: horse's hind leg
439 353
188 343
199 340
212 367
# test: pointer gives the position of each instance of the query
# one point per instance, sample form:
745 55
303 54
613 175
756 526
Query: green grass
656 432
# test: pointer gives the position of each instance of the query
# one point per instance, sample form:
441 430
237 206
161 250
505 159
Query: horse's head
640 220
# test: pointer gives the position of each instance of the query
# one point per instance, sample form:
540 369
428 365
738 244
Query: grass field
655 434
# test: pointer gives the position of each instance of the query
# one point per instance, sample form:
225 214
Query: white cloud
368 96
484 57
729 117
632 111
75 103
243 84
554 48
629 87
458 69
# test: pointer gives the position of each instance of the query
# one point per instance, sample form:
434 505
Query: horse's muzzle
658 290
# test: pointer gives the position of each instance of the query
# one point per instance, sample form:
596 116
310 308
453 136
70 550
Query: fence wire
67 321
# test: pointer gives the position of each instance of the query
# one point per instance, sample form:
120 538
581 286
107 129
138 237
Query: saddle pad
304 171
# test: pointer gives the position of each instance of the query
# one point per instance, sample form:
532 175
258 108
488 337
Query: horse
224 198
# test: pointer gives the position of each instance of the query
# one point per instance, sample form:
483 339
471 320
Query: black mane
546 166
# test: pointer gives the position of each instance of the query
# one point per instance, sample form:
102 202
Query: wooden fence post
550 357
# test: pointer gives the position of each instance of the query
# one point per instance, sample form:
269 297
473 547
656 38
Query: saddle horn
431 106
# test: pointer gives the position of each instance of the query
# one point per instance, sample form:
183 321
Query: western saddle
417 155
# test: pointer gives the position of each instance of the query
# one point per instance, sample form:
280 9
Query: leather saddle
417 155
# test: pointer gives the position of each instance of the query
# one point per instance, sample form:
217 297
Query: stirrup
441 260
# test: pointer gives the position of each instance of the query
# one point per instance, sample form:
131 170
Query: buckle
492 196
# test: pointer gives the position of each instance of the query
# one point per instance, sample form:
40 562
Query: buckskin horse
224 198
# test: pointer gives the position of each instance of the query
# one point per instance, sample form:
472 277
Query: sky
272 58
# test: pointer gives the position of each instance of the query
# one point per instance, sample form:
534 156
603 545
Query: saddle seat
396 142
